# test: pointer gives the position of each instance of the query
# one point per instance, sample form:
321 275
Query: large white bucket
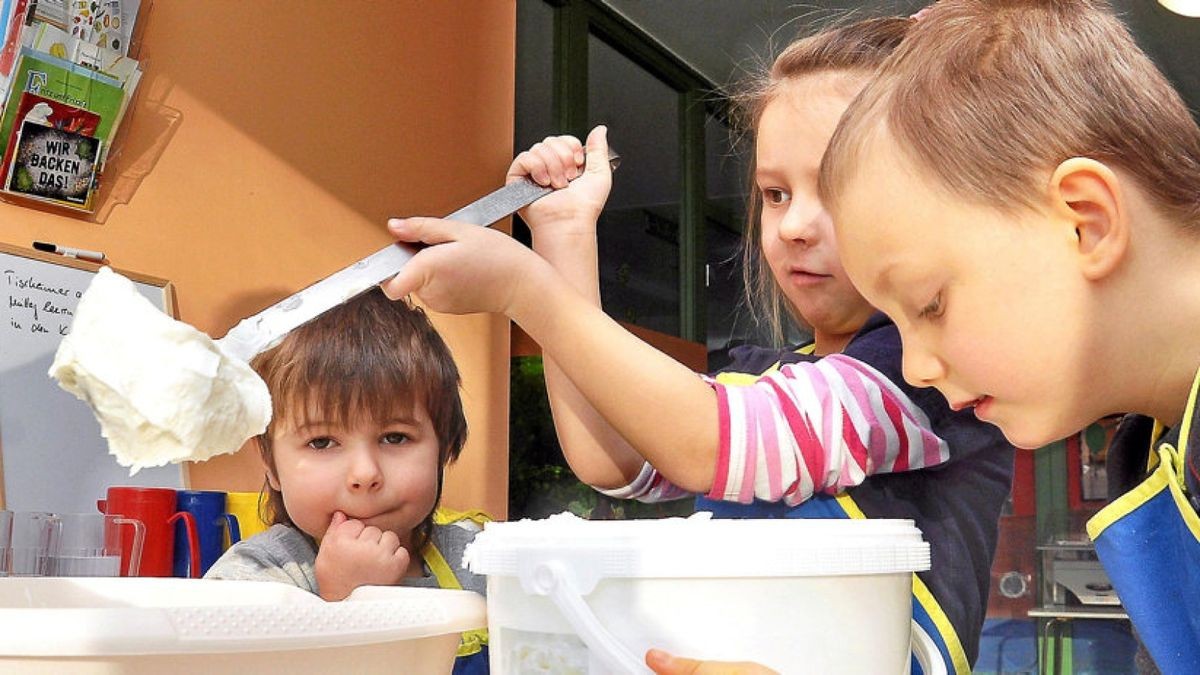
567 595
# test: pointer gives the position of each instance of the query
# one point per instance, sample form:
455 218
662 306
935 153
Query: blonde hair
855 48
986 96
361 361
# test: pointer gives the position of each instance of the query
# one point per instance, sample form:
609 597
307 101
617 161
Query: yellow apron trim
444 516
930 604
845 501
1188 412
1126 504
738 379
1152 456
1174 464
440 568
1167 464
472 640
746 379
1165 476
958 655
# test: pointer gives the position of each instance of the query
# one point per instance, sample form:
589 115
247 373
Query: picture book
98 22
53 165
47 112
66 83
105 23
6 12
43 37
12 41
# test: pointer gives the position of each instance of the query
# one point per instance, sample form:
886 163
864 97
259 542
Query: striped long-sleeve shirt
808 427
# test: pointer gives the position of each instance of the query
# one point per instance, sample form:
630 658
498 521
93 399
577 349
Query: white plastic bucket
152 625
567 595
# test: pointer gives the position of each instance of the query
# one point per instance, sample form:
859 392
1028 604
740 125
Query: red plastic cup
155 508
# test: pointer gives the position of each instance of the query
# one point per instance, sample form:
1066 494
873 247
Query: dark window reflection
639 230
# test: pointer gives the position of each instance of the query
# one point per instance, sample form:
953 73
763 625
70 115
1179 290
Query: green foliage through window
540 482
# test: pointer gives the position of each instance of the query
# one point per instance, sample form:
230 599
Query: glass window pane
726 174
727 166
639 230
534 73
534 85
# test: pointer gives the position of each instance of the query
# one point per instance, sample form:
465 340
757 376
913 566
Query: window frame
574 22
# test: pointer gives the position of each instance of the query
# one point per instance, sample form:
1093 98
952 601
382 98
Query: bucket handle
926 651
551 578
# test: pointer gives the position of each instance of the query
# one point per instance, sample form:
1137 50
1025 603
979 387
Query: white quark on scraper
162 390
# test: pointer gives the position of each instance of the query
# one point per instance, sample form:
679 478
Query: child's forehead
314 413
887 210
800 89
882 186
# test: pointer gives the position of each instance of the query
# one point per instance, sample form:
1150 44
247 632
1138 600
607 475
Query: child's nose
922 368
802 223
364 473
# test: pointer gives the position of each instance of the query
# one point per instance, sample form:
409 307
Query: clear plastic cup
30 542
6 518
89 545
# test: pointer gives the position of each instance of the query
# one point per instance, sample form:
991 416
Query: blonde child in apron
1039 179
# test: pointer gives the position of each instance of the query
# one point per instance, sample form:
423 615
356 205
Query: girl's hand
467 269
572 211
353 554
665 664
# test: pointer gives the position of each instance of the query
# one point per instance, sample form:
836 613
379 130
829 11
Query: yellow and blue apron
472 656
926 611
1149 543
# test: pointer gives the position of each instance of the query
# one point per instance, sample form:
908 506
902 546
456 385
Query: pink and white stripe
808 427
819 426
649 486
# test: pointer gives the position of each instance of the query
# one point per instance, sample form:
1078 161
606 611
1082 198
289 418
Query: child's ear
1087 194
263 453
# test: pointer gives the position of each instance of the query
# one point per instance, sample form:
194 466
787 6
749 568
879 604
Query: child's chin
1026 437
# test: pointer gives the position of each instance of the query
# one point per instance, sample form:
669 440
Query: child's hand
663 663
469 269
353 554
572 211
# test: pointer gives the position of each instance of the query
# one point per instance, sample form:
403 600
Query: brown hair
360 361
854 48
988 95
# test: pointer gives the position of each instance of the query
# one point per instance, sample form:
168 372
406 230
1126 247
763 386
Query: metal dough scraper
266 329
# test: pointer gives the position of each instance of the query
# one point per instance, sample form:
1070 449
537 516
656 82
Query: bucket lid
701 547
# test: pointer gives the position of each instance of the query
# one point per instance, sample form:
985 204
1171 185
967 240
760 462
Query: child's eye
395 438
934 309
320 443
776 197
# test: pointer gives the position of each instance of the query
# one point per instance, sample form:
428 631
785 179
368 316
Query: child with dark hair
366 416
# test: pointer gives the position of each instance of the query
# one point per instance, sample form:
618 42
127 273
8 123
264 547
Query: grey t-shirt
287 555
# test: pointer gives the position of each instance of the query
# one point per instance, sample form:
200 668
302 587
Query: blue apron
1149 543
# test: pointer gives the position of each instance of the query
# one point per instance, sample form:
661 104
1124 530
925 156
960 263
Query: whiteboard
54 458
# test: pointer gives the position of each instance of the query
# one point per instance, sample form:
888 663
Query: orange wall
269 142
